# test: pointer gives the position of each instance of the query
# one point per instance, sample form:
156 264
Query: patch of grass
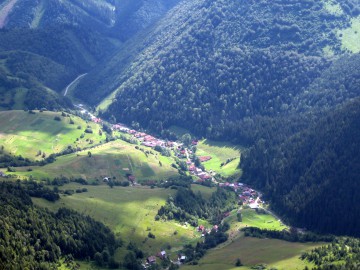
113 159
131 213
220 152
251 218
333 7
350 37
25 134
252 251
206 192
39 12
106 102
328 51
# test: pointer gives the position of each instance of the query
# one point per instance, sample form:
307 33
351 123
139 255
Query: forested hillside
44 45
312 177
45 61
39 13
255 72
209 64
134 16
34 238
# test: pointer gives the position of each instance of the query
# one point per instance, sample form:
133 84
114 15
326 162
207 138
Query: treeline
311 177
341 254
187 206
39 190
34 238
291 236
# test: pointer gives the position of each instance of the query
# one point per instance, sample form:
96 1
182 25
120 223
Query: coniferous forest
34 238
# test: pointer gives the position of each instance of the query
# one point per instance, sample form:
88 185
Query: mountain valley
167 134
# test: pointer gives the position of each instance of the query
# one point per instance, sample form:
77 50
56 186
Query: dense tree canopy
312 177
34 238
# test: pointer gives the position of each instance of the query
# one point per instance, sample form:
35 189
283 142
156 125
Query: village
178 148
246 195
193 166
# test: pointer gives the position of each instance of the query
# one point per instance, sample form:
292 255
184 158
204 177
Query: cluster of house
95 119
162 256
181 152
145 139
202 175
204 231
249 196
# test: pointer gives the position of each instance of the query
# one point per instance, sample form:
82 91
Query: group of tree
291 235
186 206
311 176
341 254
34 238
212 239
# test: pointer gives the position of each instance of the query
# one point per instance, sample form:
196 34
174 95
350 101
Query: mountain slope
209 62
312 177
67 37
40 13
38 59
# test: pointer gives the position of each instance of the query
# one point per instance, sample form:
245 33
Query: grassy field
25 134
250 218
130 212
253 251
113 159
220 152
333 8
350 37
206 192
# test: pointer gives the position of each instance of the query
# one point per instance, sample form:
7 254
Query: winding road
73 82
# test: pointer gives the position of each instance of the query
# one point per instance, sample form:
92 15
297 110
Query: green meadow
350 37
252 251
25 134
129 212
113 159
206 192
250 218
220 152
333 8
